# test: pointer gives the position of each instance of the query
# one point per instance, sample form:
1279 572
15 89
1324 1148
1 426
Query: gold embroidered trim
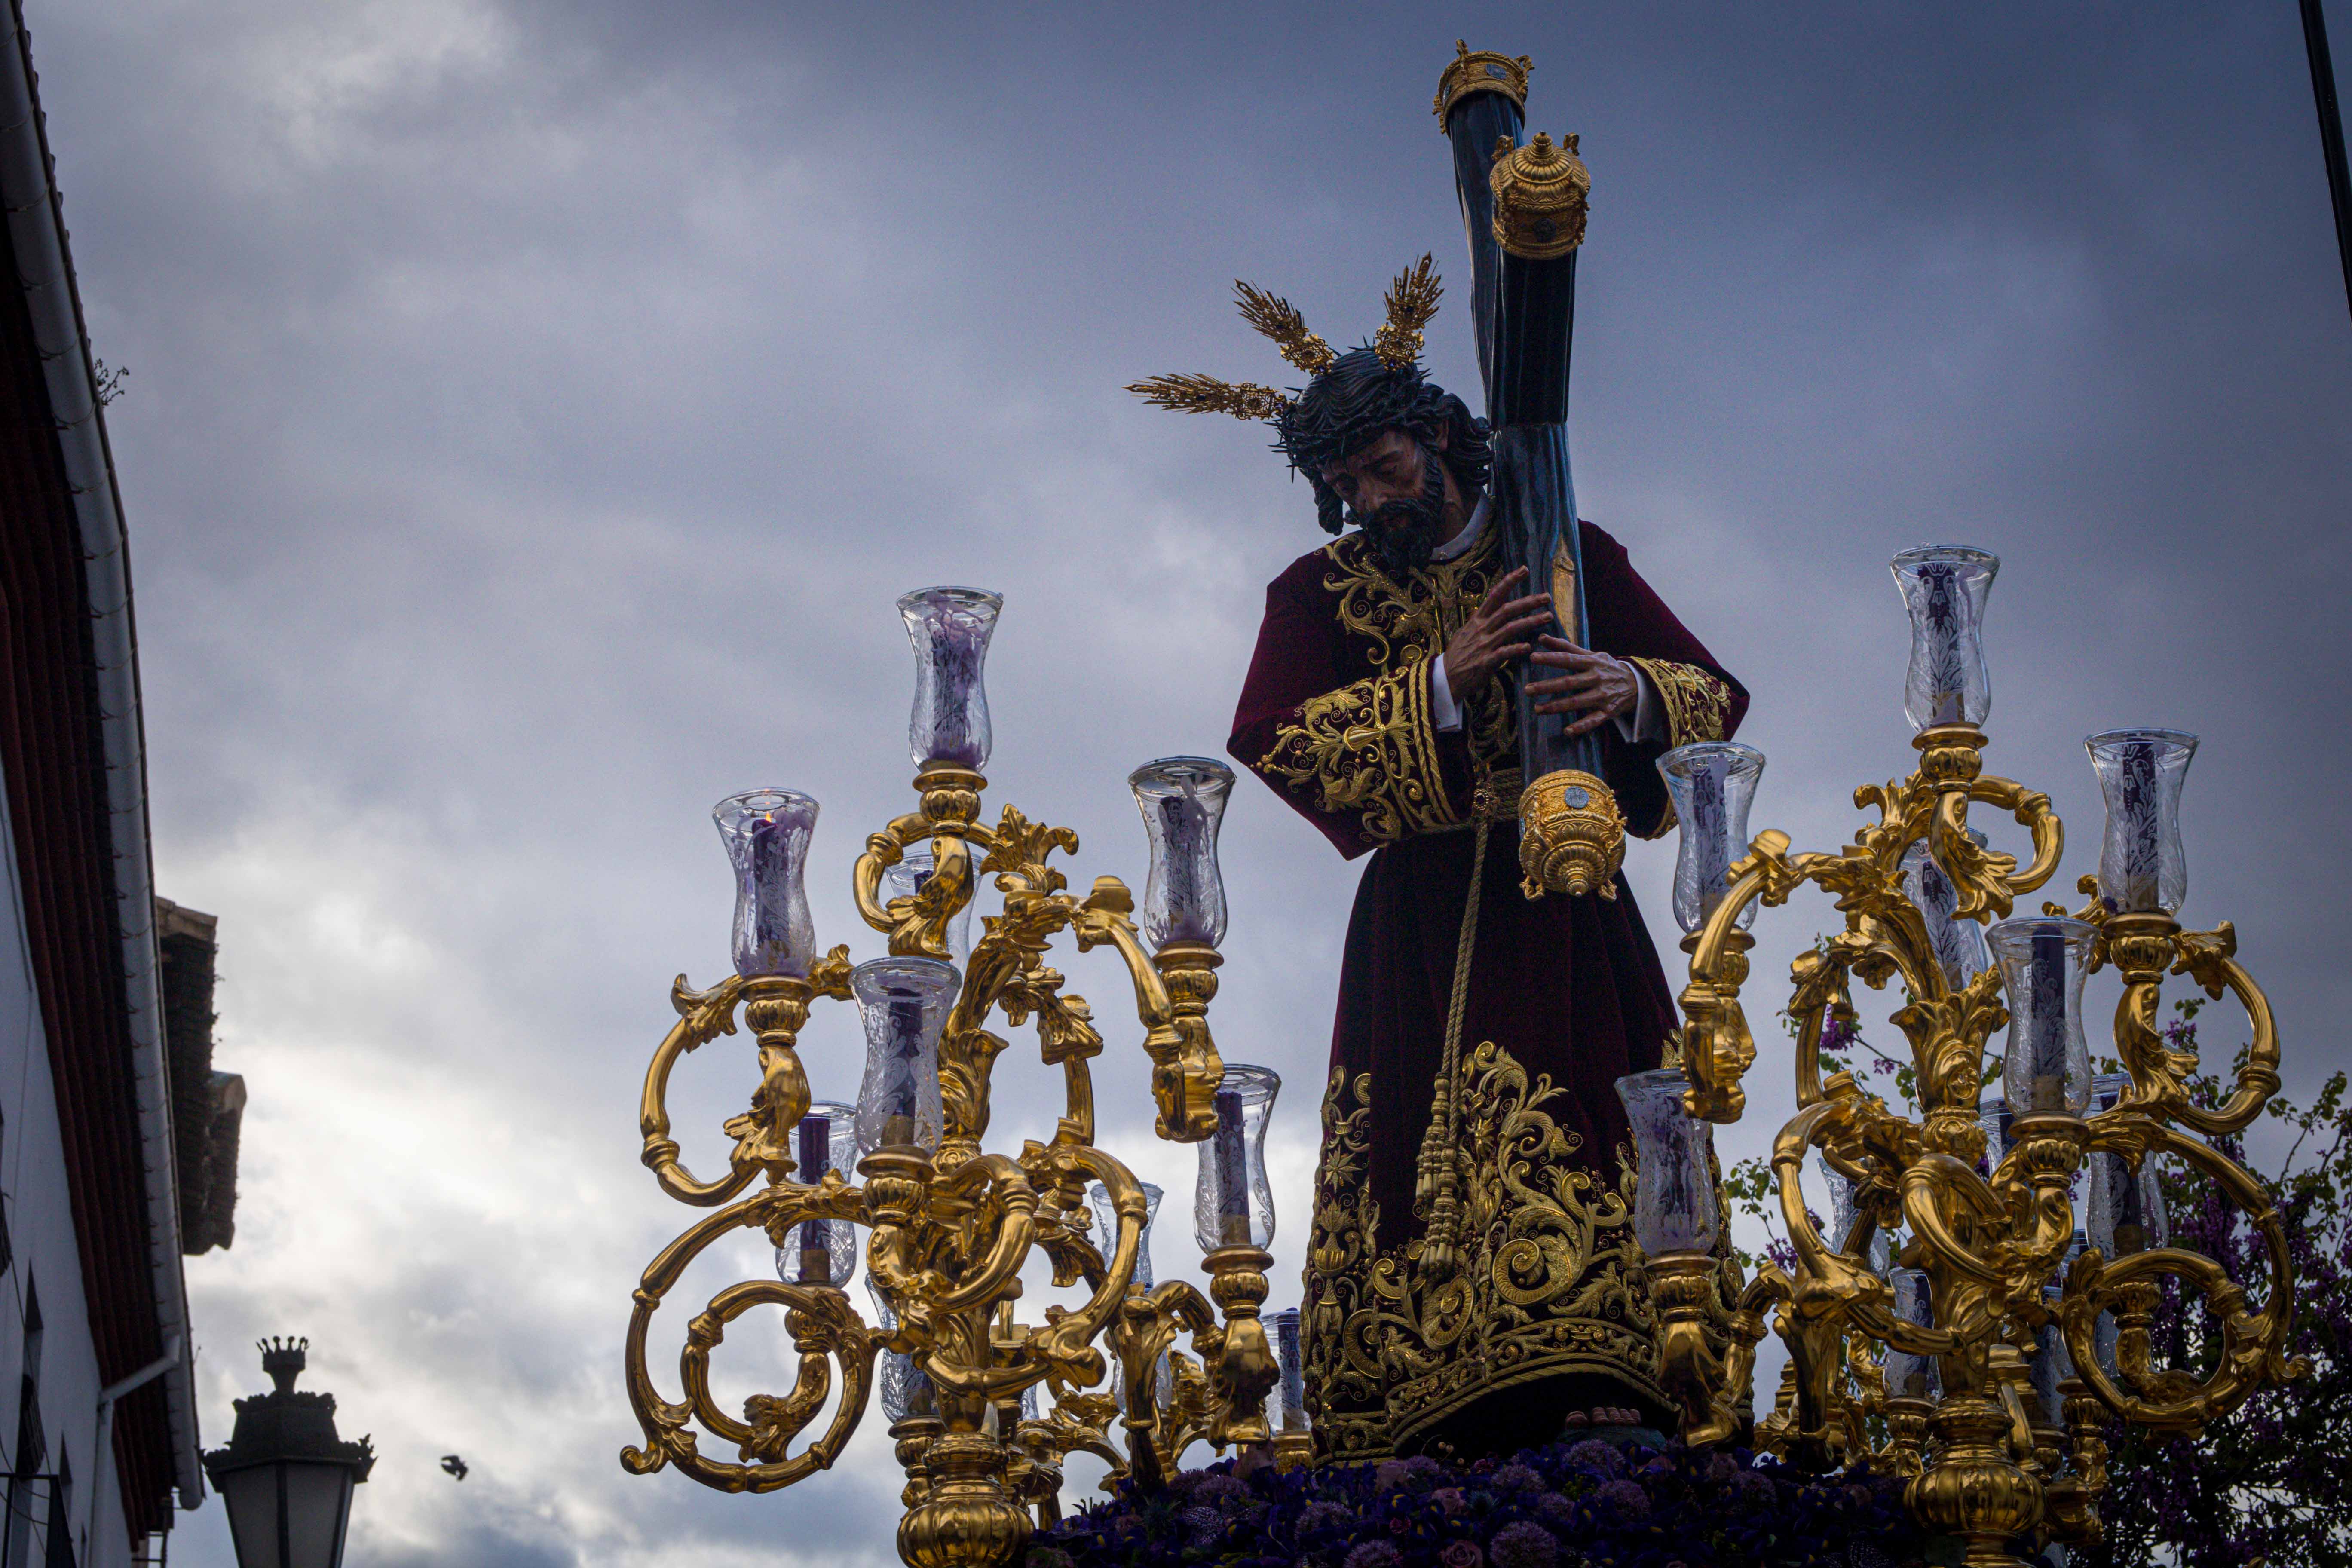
1370 748
1416 618
1697 703
1549 1281
1343 1377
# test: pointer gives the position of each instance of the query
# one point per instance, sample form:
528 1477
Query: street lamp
285 1477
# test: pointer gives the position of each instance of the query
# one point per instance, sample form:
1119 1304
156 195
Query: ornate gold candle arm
703 1016
774 1008
1682 1285
2071 1500
987 1188
2140 946
948 817
2253 1349
819 1318
1061 1349
1244 1370
1185 1067
1717 1046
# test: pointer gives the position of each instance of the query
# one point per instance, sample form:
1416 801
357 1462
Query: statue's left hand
1598 685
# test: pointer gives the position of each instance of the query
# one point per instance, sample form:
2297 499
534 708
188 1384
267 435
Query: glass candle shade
2050 1366
1099 1198
907 1389
766 832
1107 1216
1184 802
903 1003
1994 1116
822 1251
2142 866
2047 1066
1713 783
1674 1199
949 628
1945 588
1881 1251
2124 1213
1286 1406
1959 944
1232 1204
910 876
1912 1376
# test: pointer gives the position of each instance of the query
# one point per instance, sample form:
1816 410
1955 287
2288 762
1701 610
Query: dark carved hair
1359 399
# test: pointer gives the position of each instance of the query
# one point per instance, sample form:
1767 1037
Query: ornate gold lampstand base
966 1516
1571 837
1971 1487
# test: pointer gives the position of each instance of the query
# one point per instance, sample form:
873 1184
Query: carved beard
1404 532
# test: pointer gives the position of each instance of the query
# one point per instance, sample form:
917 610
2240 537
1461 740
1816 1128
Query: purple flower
1627 1498
1517 1477
1205 1526
1321 1516
1462 1554
1218 1491
1374 1554
1389 1475
1450 1500
1597 1457
1520 1546
1556 1511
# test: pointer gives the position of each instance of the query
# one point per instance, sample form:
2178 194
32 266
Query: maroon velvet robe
1534 1310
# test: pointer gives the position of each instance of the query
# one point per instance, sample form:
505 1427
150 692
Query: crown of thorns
1412 301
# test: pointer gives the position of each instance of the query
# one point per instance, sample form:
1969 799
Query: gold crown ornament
1541 191
1480 70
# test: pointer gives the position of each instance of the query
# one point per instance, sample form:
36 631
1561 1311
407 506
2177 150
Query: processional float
1963 1324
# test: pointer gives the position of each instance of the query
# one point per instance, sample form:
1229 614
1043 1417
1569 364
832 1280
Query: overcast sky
534 408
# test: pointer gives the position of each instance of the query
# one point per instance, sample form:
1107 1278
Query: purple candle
1233 1170
2049 1004
816 1235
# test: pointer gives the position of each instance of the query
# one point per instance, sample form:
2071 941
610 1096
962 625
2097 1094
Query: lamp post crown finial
283 1359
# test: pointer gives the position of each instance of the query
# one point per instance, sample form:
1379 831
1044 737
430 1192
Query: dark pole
2331 134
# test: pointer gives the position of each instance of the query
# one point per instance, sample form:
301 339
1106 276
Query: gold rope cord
1462 952
1440 1175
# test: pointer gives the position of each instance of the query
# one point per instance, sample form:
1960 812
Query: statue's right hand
1500 630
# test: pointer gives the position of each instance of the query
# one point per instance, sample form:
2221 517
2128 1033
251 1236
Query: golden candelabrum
1983 1357
950 1225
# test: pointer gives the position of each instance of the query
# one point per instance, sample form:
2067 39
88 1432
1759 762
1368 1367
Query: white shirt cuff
1645 722
1440 696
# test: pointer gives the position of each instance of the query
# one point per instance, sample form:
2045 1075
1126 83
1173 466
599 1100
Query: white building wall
41 1230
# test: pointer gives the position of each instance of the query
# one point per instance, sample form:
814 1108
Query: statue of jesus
1471 1275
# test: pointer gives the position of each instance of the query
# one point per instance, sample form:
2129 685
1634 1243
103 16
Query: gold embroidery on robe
1698 702
1343 1375
1550 1283
1370 747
